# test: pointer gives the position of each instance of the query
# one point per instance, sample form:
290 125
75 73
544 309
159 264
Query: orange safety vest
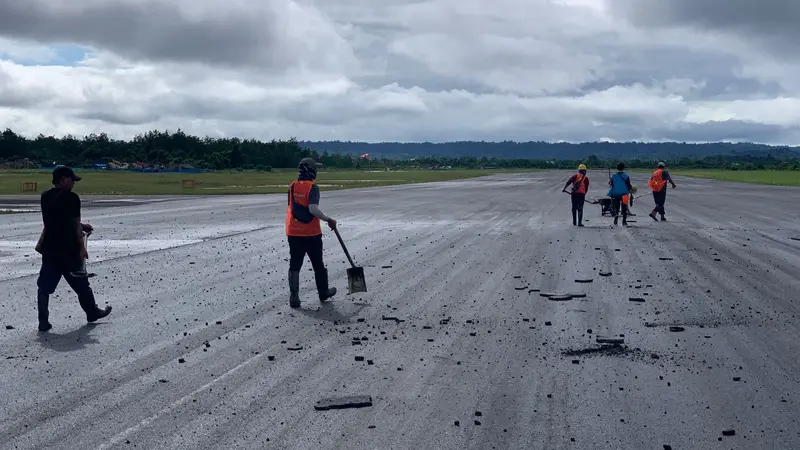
657 182
579 185
299 220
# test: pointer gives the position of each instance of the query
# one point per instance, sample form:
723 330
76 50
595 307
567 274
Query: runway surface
200 351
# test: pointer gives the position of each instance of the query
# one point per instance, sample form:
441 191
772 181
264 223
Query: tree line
157 148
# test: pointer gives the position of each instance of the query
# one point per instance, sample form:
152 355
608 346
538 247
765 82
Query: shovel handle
336 230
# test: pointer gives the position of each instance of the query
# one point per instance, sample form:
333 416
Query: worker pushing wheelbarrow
607 204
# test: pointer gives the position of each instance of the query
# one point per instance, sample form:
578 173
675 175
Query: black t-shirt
60 209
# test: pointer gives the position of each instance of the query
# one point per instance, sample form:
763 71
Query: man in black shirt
63 247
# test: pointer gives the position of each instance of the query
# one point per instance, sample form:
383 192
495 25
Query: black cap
310 162
64 171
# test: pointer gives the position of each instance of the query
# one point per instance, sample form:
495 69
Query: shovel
355 275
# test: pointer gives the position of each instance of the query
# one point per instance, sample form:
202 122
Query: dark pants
577 207
50 275
660 198
617 205
299 247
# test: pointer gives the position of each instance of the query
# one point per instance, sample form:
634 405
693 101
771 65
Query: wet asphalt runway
196 354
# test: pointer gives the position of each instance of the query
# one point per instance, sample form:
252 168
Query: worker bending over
658 183
580 186
620 184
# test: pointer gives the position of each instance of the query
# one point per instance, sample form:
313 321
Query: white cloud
391 70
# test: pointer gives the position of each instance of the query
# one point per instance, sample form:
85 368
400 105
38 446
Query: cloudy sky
404 70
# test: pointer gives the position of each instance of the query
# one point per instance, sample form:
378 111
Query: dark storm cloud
773 22
151 30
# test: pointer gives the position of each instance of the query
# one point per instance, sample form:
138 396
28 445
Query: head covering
64 171
307 169
582 167
662 165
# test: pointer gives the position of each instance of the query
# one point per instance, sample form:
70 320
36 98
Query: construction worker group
621 191
64 253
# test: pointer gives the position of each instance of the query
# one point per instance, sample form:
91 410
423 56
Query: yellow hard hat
582 167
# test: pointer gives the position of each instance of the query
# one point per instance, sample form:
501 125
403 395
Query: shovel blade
356 282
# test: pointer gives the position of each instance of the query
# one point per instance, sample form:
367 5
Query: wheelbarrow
356 282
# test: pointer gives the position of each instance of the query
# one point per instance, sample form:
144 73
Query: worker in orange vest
658 183
580 186
304 232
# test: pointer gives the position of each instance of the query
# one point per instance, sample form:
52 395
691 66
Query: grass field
233 182
773 177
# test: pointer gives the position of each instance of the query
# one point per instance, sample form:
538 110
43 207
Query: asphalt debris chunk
605 274
676 329
548 323
353 401
9 327
730 432
295 349
359 358
636 299
608 340
584 280
181 361
392 318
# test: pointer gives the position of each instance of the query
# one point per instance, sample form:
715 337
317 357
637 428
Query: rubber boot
42 304
294 289
580 217
93 313
574 222
325 292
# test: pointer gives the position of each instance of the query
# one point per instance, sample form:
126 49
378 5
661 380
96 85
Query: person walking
580 186
658 183
304 232
620 186
63 248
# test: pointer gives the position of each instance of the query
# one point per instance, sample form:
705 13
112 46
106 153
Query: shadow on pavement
327 311
69 342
